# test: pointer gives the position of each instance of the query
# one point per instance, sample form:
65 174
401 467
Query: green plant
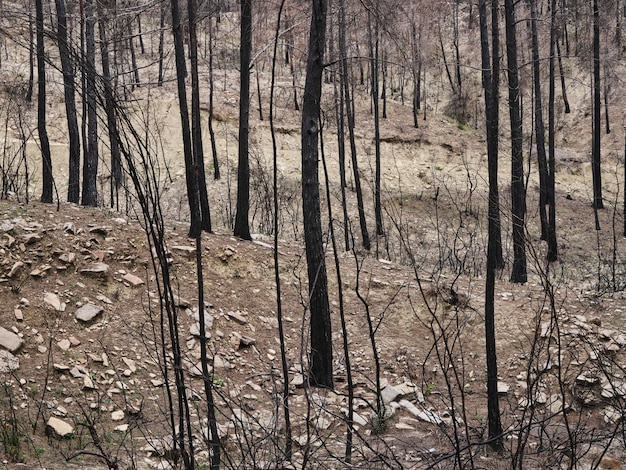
429 387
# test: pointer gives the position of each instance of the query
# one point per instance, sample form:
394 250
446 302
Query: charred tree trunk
552 245
321 357
539 128
242 228
90 163
69 90
46 159
595 151
518 195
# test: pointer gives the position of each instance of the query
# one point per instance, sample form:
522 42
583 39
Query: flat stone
88 312
424 415
64 344
121 428
9 340
16 267
132 366
88 383
59 428
188 250
236 316
503 388
117 415
96 269
132 279
8 362
389 394
19 315
54 301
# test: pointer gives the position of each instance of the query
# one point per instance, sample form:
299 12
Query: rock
54 301
19 316
503 388
70 227
88 383
40 271
410 391
130 364
59 428
96 270
68 258
64 344
132 279
31 238
297 381
9 340
424 415
8 362
187 250
245 341
88 312
117 415
16 267
121 428
389 394
236 316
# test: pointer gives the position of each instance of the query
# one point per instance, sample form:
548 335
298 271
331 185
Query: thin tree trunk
596 144
493 404
109 106
216 164
191 179
518 196
552 244
46 159
365 239
562 74
242 228
539 127
31 57
69 90
161 44
196 123
321 357
90 163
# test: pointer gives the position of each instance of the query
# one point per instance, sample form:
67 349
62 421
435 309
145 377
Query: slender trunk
46 159
242 228
493 404
90 164
562 74
279 308
552 244
596 144
350 115
321 357
69 90
109 106
191 179
31 57
376 104
133 57
196 124
539 127
161 42
216 165
518 196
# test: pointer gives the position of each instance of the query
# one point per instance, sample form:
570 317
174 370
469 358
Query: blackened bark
90 162
216 163
595 151
109 107
161 42
518 196
493 404
31 57
196 124
46 160
365 238
242 227
190 172
374 49
69 89
562 74
539 127
321 358
552 245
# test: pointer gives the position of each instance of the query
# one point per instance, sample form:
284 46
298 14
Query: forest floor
560 337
